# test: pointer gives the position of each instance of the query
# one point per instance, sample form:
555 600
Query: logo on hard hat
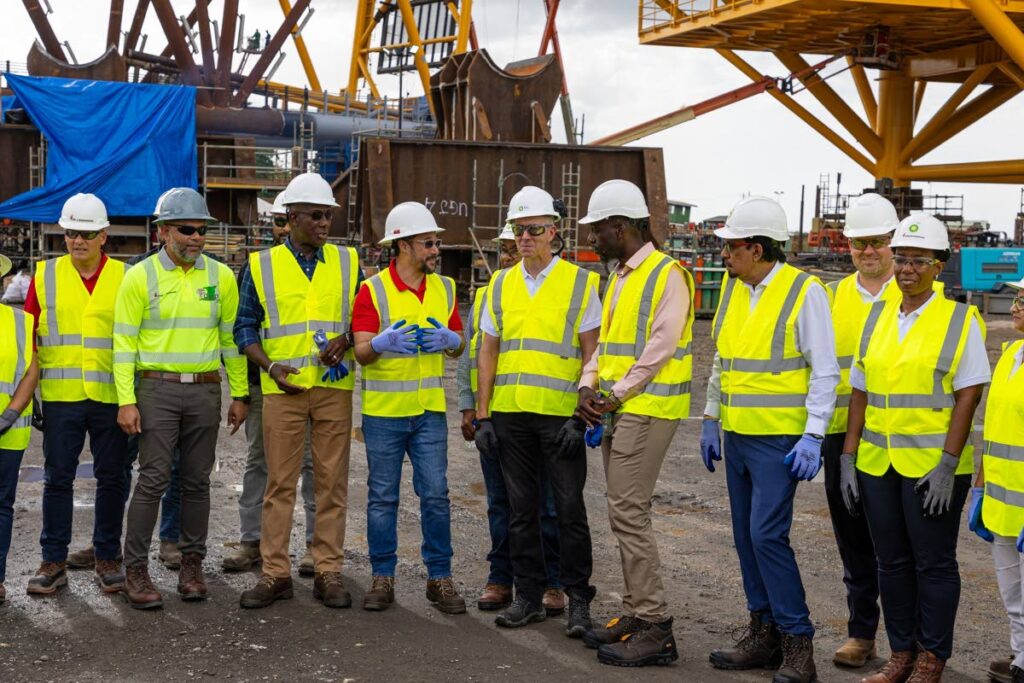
914 227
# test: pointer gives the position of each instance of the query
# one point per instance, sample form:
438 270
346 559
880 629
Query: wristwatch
614 400
247 399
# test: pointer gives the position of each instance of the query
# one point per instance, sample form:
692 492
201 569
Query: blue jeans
64 431
498 513
761 501
425 439
170 504
10 466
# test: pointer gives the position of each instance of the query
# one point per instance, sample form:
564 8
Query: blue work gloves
937 486
438 338
486 438
335 372
804 460
710 443
974 521
848 485
570 438
1020 542
7 419
593 435
396 339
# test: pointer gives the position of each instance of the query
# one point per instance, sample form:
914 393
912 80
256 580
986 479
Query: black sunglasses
280 222
187 230
84 234
317 215
535 230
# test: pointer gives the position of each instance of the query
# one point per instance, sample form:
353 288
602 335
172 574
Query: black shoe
520 613
797 661
651 644
758 647
612 632
1016 674
579 617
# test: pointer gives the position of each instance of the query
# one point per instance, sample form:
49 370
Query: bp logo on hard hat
914 227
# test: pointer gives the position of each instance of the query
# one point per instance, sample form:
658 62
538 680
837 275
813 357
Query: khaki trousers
328 412
632 460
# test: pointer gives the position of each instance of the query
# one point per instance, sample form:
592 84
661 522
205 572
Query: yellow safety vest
764 376
1003 510
539 357
624 336
169 320
399 385
15 358
910 386
295 307
76 331
476 337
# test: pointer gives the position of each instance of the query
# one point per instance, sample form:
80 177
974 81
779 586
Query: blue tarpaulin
124 142
9 102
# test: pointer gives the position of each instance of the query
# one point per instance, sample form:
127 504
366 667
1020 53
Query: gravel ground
83 635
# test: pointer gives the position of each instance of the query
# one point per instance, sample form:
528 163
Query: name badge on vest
208 293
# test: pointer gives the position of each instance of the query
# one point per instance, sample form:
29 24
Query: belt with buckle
182 377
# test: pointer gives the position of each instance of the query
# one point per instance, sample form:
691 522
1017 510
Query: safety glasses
729 247
535 230
429 244
280 222
861 243
920 263
187 230
84 234
317 215
1018 301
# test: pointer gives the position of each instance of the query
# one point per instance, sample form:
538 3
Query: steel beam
114 23
268 53
1000 27
38 16
919 90
300 47
182 56
205 41
965 116
896 121
413 31
363 26
226 51
867 96
190 20
135 30
978 170
948 108
1013 72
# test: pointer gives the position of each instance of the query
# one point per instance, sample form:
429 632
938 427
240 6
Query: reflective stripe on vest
475 336
1003 460
14 361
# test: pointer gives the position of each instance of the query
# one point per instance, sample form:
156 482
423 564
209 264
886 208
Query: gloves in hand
438 338
593 435
848 485
1020 542
570 438
710 444
8 418
974 522
336 372
939 483
804 460
486 438
396 339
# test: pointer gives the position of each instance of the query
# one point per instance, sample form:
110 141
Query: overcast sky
756 146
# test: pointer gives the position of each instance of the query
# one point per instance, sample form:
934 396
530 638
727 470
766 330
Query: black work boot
578 623
650 644
759 647
520 613
797 661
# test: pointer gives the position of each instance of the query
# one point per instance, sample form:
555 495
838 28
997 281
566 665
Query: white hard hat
279 209
922 231
506 234
870 215
408 219
616 198
83 212
530 202
755 217
309 188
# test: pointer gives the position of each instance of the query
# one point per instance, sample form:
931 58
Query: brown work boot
999 670
3 594
139 590
381 594
445 596
169 555
759 646
855 652
49 578
243 558
329 589
109 576
191 584
82 559
896 670
927 669
495 596
797 660
306 565
615 630
553 601
650 644
266 591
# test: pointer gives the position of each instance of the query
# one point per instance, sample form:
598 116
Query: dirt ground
83 635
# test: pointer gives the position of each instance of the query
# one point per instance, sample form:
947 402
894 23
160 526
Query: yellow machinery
972 43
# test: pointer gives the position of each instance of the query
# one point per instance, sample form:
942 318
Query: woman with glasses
997 500
919 371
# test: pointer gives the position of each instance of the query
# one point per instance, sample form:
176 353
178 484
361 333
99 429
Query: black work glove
569 440
486 438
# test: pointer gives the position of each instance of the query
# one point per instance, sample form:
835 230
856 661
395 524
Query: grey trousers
186 416
254 481
1009 572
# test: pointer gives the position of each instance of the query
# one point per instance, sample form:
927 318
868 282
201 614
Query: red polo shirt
32 301
364 315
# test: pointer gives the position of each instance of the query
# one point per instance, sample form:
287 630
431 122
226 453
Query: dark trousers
860 570
526 453
918 573
170 504
761 494
64 432
10 467
184 416
498 514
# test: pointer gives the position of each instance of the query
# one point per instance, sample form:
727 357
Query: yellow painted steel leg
895 122
465 23
364 21
965 116
944 113
300 46
919 90
411 30
1000 27
957 172
867 96
1013 72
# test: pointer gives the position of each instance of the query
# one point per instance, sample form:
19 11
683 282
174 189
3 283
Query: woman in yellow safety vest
918 374
996 513
19 373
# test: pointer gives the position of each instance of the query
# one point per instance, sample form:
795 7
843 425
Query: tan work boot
445 596
306 565
243 558
927 669
495 596
169 555
3 594
191 583
553 601
329 589
49 578
381 594
855 652
139 590
896 670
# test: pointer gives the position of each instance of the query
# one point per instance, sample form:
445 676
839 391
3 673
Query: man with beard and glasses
172 327
405 322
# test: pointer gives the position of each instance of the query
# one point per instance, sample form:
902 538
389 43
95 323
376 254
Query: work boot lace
927 668
639 629
748 638
446 587
139 576
328 578
191 569
794 651
382 583
896 664
266 580
107 567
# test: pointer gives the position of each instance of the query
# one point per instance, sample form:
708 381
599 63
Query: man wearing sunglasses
172 329
540 326
772 385
406 322
289 293
72 300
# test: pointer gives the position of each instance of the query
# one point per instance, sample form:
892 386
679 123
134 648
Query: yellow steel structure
300 46
976 44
